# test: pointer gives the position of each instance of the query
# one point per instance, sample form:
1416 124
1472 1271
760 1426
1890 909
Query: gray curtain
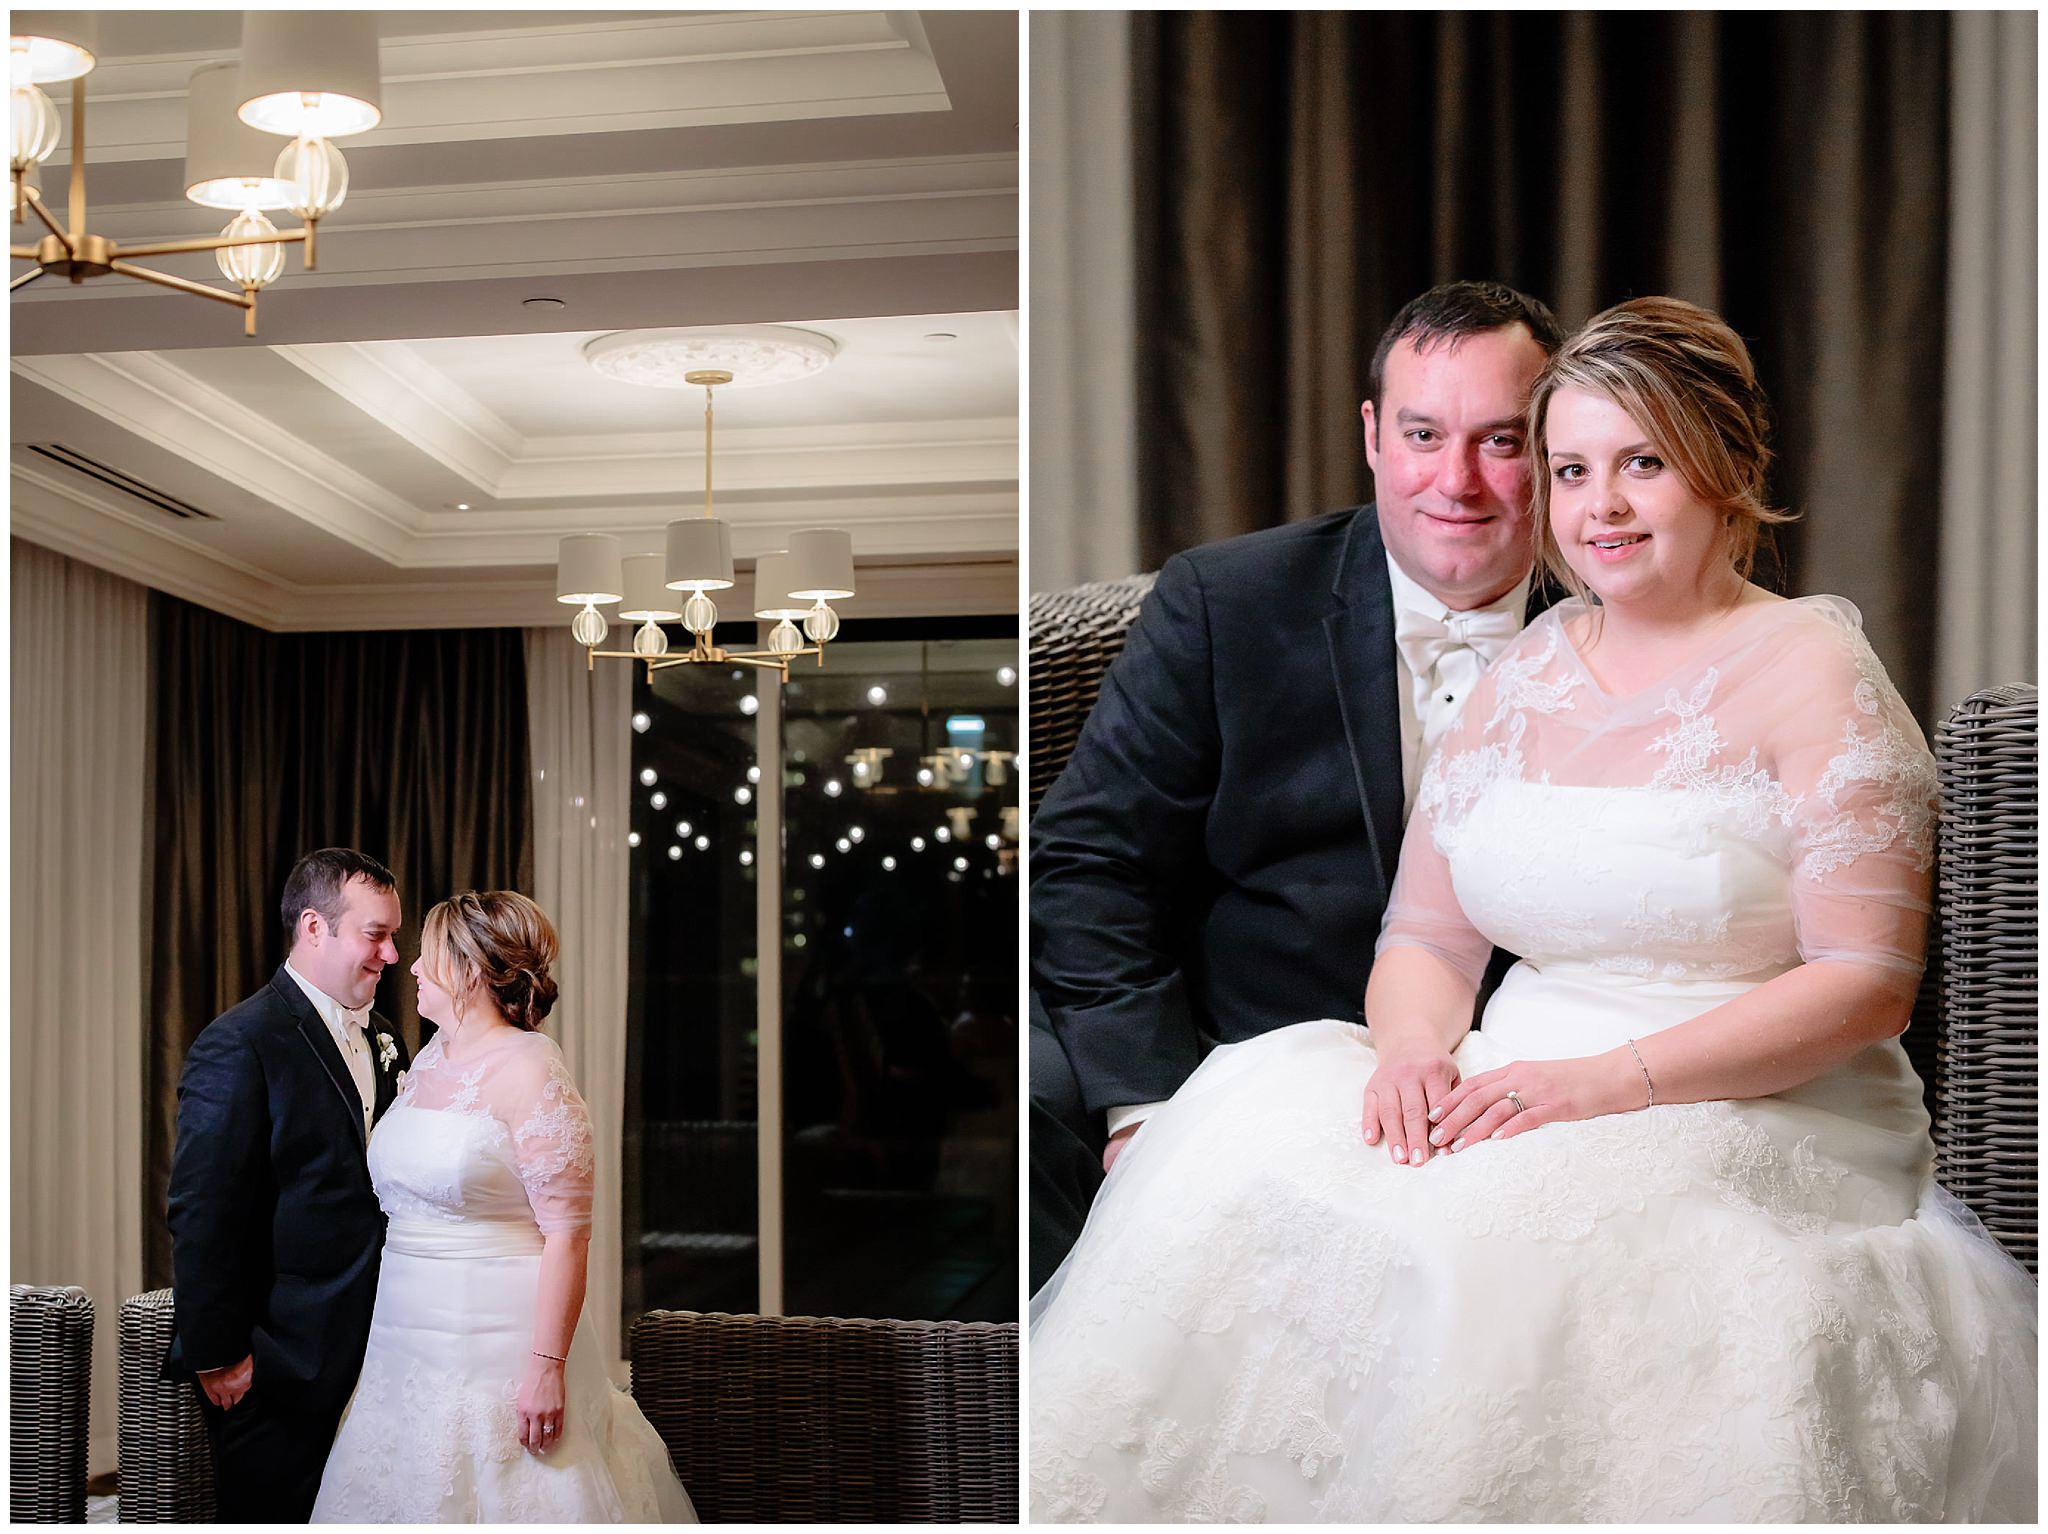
410 746
1300 176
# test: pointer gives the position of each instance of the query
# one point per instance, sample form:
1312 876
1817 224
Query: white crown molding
86 527
613 77
869 210
901 490
136 547
164 405
416 402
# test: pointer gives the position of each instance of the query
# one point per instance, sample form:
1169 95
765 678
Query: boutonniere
387 1049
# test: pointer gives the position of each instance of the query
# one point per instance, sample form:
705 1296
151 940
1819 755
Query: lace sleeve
551 1141
1863 780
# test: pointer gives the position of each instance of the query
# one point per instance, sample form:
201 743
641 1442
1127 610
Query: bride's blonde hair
496 940
1685 378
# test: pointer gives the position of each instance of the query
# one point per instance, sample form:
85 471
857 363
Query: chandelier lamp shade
307 76
678 584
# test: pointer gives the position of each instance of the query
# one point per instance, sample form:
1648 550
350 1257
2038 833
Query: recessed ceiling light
942 336
543 303
462 505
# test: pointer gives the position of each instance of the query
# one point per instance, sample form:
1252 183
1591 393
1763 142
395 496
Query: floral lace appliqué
1518 689
1753 798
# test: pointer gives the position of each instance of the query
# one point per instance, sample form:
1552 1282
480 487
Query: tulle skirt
1754 1312
431 1434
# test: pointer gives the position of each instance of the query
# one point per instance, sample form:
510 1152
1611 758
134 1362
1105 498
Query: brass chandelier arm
23 252
166 280
77 156
51 224
218 242
25 278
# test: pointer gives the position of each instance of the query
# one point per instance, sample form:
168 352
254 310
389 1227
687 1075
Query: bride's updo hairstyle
1684 376
497 940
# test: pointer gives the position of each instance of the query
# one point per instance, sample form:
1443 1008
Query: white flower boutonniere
387 1050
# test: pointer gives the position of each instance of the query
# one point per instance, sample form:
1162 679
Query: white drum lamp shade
771 589
588 569
60 45
699 555
228 163
821 564
311 74
647 593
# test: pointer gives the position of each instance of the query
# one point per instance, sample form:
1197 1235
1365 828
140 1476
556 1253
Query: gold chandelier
791 587
309 76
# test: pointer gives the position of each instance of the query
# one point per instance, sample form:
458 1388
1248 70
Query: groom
1215 858
275 1229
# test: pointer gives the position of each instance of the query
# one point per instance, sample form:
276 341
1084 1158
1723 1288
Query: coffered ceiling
408 435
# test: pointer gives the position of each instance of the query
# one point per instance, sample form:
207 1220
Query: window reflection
900 977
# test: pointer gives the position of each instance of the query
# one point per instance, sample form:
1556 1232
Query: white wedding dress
472 1165
1752 1311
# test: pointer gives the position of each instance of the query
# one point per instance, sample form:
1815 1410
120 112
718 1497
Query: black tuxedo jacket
275 1229
1217 855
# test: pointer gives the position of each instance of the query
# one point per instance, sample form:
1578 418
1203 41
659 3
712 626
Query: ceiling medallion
756 356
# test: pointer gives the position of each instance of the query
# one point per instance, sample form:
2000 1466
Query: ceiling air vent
92 468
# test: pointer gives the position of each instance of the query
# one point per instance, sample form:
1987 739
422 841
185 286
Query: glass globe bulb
251 266
316 168
649 640
700 613
32 127
589 627
783 639
821 623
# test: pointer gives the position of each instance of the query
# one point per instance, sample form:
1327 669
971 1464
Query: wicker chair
49 1331
1975 1032
792 1420
166 1462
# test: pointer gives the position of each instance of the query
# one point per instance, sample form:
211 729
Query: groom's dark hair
316 880
1451 310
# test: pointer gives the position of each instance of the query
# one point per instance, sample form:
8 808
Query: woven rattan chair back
775 1419
1987 978
1074 637
166 1462
49 1330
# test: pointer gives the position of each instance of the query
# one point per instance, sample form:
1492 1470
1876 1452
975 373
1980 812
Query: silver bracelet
1647 1086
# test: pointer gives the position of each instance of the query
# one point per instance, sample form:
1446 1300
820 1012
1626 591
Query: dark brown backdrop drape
411 747
1300 176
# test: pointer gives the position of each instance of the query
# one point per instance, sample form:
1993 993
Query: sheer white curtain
1987 624
1084 456
80 710
582 756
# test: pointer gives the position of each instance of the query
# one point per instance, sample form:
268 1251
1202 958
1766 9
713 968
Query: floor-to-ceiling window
894 905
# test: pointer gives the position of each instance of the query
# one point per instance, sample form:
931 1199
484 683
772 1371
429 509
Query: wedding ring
1516 1098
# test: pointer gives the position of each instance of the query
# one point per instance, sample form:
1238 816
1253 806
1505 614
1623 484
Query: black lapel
321 1042
1367 670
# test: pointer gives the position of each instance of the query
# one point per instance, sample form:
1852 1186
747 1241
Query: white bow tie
356 1017
1423 639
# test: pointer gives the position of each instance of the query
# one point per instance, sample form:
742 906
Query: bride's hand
1399 1097
1552 1092
541 1406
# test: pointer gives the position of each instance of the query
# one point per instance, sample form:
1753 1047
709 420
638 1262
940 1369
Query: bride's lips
1615 556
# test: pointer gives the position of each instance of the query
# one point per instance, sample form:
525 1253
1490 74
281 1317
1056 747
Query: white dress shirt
347 1026
1432 699
1459 647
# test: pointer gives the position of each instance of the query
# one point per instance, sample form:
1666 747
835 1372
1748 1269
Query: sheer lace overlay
1785 739
528 1117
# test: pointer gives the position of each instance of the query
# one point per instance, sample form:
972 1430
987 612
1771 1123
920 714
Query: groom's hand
1117 1142
225 1386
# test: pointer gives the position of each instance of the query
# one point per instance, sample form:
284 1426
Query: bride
1662 1242
483 1396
